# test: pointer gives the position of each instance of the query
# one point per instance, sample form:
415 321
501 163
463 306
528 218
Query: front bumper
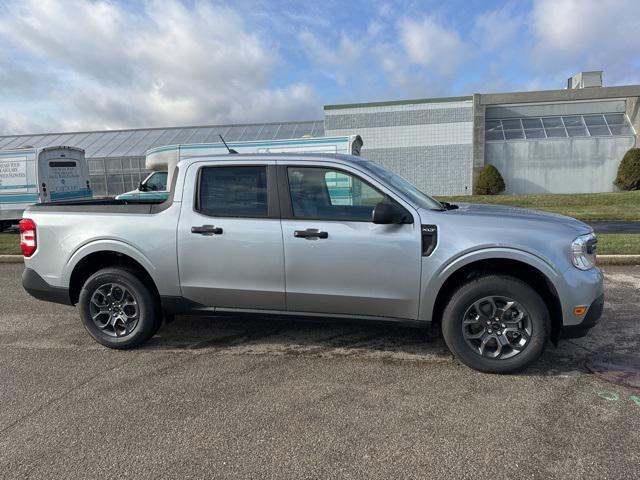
37 287
590 319
578 288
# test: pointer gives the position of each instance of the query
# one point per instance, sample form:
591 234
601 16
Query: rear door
337 260
230 249
63 175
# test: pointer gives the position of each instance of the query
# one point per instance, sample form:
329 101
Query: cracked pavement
239 398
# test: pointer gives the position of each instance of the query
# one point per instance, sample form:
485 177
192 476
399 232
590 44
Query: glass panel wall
610 124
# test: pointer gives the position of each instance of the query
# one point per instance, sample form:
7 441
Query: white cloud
345 52
15 122
497 29
389 57
352 61
337 61
107 65
83 64
588 34
430 44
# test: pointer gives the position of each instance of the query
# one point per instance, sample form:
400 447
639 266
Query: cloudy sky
92 64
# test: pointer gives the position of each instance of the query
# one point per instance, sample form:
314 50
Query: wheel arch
537 274
97 260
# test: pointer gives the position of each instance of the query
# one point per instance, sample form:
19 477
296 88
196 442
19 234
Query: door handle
207 230
310 233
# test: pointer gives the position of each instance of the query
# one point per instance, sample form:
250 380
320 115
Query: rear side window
233 191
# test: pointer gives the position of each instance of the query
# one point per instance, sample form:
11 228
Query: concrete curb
618 259
11 259
602 259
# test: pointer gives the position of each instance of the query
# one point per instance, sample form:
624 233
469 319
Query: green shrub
629 171
489 181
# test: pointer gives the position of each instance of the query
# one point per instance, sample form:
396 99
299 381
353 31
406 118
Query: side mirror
142 187
388 213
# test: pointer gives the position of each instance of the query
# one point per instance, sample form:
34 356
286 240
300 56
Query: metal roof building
549 141
116 157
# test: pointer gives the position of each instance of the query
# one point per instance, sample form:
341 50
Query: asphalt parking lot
232 398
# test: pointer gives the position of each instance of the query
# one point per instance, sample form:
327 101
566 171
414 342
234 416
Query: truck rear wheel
117 309
496 324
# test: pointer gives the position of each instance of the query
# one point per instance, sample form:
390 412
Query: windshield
421 199
156 181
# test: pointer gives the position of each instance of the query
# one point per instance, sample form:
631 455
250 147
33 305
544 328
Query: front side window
325 193
233 191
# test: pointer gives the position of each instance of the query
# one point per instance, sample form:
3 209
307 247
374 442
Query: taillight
28 242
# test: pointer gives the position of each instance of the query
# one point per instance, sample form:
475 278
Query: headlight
583 251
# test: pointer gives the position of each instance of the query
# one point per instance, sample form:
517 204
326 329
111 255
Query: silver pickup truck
311 235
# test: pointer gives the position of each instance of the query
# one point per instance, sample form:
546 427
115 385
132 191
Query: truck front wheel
117 309
496 324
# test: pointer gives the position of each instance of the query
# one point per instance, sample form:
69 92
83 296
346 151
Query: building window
494 130
537 128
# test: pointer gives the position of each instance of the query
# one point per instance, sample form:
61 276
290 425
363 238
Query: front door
336 259
230 250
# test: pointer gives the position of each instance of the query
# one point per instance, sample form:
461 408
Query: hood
502 213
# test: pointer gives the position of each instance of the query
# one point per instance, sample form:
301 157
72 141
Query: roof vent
585 80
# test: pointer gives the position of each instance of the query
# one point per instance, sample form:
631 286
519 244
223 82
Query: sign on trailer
13 173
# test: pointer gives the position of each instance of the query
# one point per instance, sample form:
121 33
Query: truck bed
103 205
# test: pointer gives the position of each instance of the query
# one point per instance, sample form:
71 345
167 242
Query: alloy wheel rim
114 310
497 327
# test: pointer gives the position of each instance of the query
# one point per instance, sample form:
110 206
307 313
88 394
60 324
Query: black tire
472 293
147 320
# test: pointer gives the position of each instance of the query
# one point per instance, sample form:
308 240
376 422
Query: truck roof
61 147
341 157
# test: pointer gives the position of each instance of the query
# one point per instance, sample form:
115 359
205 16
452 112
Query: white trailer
40 175
163 160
